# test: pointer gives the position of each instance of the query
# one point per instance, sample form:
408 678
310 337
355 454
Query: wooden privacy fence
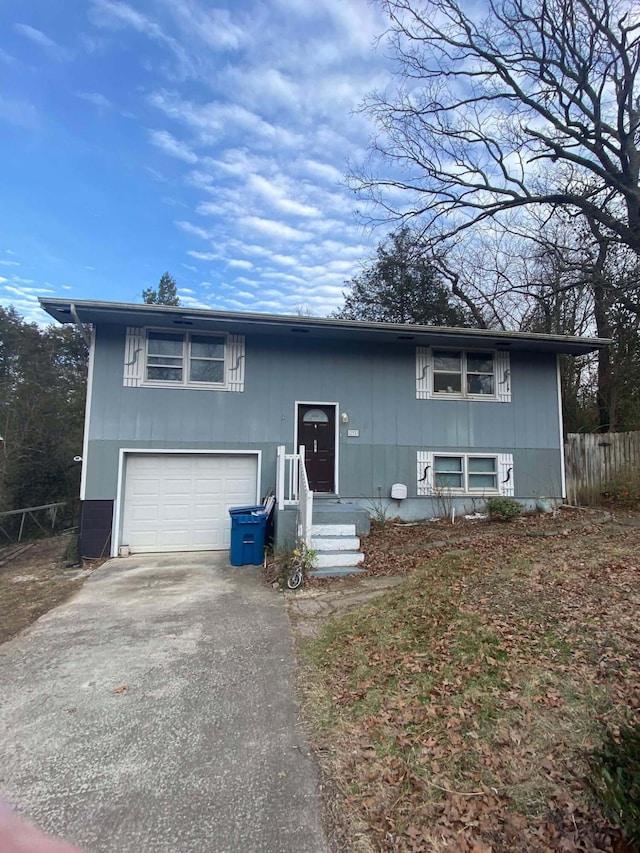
592 460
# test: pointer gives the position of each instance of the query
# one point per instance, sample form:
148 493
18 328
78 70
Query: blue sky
207 140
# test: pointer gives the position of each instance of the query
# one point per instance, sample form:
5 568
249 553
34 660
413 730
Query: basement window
465 473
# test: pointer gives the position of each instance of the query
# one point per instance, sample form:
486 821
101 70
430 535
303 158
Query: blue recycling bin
248 526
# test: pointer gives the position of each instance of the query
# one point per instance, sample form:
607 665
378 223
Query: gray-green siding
373 384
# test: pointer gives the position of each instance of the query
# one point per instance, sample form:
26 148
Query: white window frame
186 361
463 394
465 457
426 473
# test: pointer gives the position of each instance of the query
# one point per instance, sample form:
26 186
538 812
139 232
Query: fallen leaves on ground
457 711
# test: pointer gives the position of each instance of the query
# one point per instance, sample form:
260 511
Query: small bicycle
302 558
295 577
295 573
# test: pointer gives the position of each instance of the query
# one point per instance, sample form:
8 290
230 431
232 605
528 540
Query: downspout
85 334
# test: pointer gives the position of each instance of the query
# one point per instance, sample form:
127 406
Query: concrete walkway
154 712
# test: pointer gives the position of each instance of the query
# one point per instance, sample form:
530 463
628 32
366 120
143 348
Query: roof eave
125 313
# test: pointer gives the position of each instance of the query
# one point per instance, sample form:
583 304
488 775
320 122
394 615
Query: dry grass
33 583
456 712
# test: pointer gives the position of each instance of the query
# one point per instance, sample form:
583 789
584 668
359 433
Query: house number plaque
353 433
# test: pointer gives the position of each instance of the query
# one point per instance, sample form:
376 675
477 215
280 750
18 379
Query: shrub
503 509
615 780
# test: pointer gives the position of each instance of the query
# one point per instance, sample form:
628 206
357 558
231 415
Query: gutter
83 331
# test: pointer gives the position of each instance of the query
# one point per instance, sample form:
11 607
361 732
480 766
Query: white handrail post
305 497
280 476
308 518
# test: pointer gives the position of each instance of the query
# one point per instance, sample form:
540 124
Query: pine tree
166 294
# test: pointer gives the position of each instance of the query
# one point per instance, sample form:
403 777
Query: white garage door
180 502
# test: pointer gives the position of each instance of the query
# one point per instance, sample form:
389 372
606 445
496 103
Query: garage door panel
173 487
180 502
205 511
209 487
147 486
149 514
175 513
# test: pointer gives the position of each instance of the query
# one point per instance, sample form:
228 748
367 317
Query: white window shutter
235 362
505 474
503 377
422 373
133 357
425 473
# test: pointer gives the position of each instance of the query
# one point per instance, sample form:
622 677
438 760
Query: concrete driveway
154 712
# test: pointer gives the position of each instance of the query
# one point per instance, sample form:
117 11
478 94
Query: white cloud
9 263
190 228
273 228
19 113
204 256
42 40
278 195
239 264
163 140
324 171
96 98
114 14
214 27
216 119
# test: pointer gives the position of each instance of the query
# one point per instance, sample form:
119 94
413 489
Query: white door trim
116 530
336 406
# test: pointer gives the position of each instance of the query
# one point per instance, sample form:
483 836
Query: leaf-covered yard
456 712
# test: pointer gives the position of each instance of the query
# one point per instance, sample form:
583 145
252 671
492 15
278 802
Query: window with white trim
463 373
459 374
464 473
184 358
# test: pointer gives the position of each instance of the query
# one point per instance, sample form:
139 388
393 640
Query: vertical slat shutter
235 363
422 373
425 473
503 377
505 474
133 357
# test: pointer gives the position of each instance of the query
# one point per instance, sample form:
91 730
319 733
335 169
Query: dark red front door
317 432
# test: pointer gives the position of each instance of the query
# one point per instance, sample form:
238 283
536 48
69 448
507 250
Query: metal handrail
29 510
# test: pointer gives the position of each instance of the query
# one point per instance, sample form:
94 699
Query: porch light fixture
344 417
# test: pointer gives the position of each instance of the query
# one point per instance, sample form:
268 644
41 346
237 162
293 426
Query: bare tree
536 104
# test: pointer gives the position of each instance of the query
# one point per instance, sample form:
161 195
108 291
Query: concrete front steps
338 550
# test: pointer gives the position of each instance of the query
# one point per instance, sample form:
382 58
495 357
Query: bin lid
244 510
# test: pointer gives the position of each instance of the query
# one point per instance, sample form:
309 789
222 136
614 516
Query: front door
317 432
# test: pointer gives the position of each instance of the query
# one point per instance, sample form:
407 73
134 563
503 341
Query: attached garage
180 501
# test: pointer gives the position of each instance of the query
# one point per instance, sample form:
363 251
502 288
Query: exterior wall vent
398 491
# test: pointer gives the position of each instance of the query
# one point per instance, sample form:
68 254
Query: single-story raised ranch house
190 412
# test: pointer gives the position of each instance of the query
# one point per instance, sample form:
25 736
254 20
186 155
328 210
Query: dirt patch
455 711
312 606
33 582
